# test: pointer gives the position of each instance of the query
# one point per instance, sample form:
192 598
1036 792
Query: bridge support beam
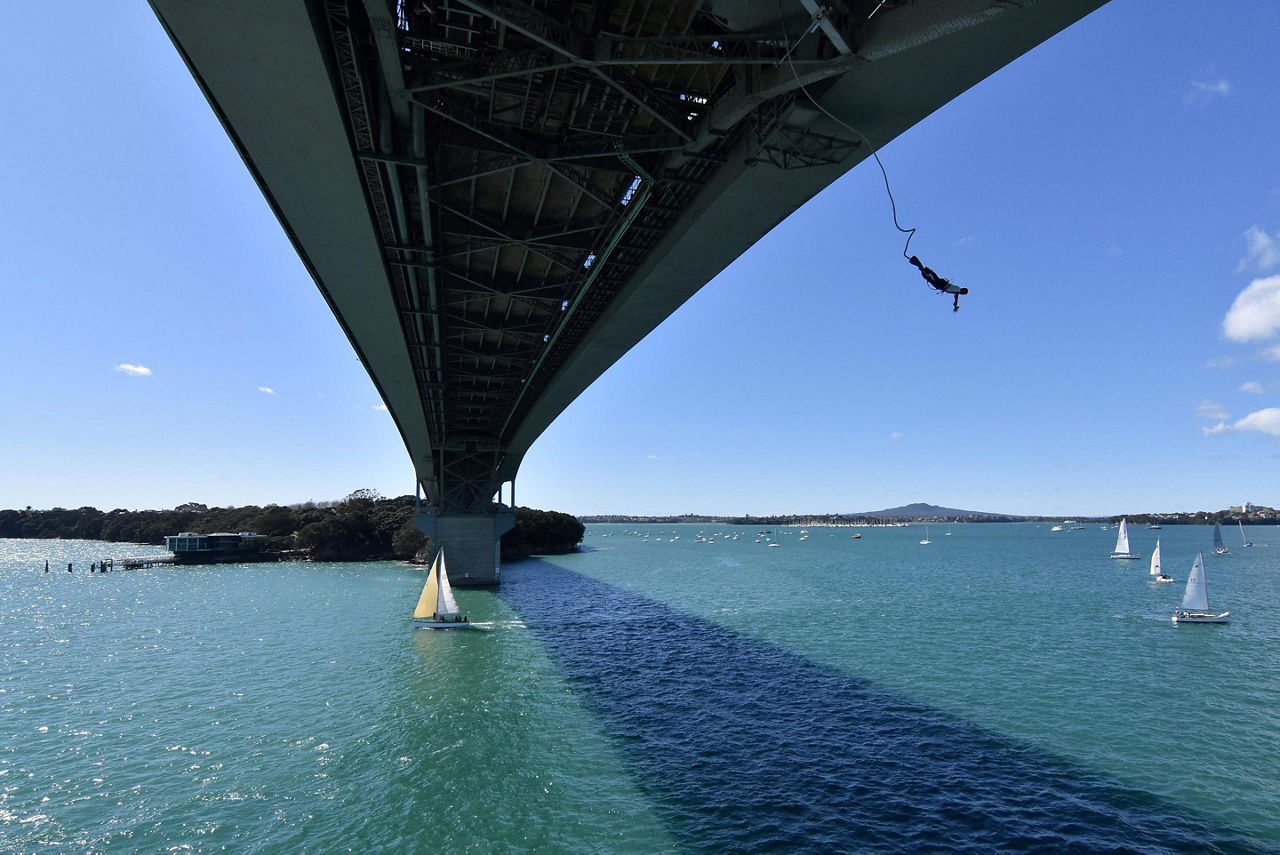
471 543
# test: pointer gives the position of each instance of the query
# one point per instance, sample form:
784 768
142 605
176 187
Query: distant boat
856 536
1155 565
926 540
1122 543
436 607
1056 528
1243 538
1218 546
1154 526
1195 600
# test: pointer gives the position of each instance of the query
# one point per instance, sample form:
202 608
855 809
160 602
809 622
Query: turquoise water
1004 687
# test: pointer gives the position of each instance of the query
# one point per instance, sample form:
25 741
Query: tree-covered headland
362 527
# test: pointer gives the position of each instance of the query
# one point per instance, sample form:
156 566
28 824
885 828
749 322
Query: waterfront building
220 547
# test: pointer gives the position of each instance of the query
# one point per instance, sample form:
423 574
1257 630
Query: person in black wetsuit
944 285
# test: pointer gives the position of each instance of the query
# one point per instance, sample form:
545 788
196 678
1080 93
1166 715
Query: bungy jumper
946 286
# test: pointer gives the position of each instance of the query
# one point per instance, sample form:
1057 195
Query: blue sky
1112 200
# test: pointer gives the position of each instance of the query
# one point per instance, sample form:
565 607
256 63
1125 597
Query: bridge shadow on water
746 747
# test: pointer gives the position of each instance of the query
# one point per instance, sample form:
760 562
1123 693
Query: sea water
1004 687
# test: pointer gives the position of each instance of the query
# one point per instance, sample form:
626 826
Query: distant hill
920 510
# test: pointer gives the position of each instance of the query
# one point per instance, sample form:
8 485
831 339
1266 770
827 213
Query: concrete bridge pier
471 542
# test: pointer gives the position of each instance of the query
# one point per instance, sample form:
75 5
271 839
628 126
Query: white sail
1244 538
1122 539
1155 559
430 592
1196 597
445 604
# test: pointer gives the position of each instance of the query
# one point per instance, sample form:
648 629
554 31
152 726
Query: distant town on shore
919 512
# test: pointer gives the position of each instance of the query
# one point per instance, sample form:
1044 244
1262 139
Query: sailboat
1243 537
1155 565
436 607
1218 546
926 540
1122 543
1195 600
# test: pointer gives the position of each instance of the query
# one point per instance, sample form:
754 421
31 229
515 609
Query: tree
275 521
542 532
407 541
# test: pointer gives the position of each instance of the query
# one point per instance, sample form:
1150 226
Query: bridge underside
499 198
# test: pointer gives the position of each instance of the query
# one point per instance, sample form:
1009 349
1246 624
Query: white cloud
895 435
1203 90
1272 353
1252 387
266 390
1263 421
1255 313
1262 253
1224 362
134 370
653 457
1211 410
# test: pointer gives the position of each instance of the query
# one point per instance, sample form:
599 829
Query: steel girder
523 158
520 159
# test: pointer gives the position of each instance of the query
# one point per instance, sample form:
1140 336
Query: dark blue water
747 747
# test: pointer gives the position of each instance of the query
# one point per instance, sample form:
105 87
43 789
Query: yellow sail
427 602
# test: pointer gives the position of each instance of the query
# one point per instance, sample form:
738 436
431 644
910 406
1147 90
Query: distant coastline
924 513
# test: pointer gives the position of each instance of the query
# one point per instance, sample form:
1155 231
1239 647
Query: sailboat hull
1200 617
441 623
1126 555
